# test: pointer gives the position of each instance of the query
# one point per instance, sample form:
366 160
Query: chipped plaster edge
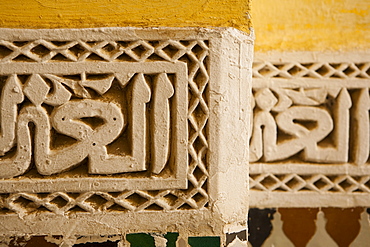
127 33
230 127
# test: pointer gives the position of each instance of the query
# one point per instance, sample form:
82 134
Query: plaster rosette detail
121 130
310 130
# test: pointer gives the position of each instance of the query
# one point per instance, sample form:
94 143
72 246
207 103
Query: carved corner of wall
310 137
114 130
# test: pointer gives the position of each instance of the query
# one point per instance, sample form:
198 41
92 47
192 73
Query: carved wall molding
311 135
125 124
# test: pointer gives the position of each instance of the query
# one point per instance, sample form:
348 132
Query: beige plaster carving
310 130
117 130
106 119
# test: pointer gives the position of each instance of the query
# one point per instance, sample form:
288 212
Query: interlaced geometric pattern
316 70
61 202
312 182
42 51
192 52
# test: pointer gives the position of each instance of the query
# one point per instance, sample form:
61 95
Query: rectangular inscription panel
90 120
310 143
102 120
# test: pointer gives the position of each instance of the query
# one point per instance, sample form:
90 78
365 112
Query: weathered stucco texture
311 25
174 104
110 13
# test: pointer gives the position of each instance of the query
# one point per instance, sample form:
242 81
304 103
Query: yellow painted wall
99 13
284 25
314 25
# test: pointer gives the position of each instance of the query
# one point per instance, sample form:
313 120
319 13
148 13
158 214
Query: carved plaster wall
121 130
310 131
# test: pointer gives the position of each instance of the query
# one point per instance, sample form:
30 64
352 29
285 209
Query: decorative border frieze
310 137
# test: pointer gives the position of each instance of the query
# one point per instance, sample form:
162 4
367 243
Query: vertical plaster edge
229 123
